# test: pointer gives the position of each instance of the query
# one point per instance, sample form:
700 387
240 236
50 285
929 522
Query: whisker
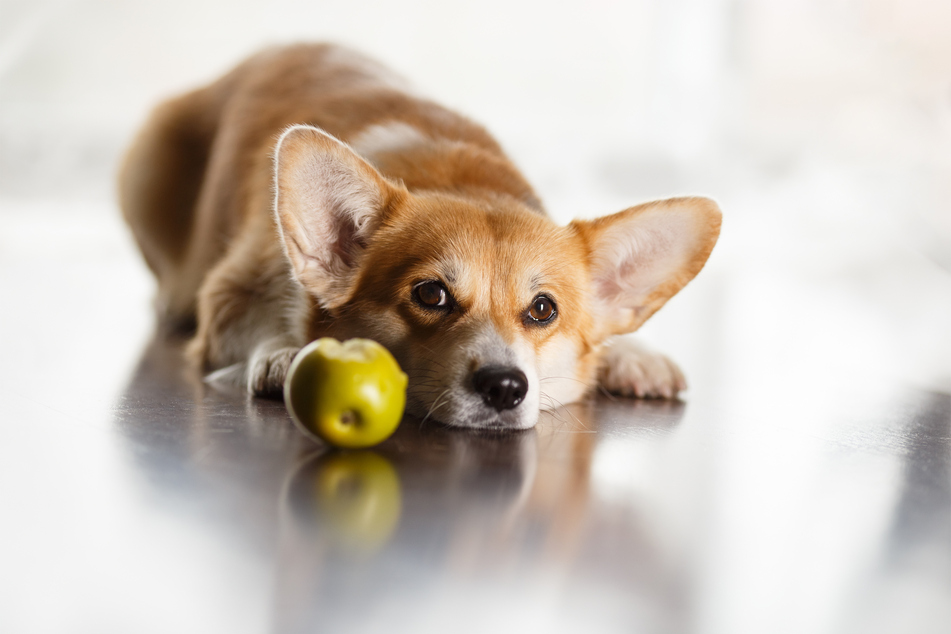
587 384
436 404
562 406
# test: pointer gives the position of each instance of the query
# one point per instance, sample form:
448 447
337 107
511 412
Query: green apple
349 394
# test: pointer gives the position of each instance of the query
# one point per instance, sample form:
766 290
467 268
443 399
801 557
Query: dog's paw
267 371
629 369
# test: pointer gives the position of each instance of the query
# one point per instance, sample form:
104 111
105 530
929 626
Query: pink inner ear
348 242
329 198
326 201
639 258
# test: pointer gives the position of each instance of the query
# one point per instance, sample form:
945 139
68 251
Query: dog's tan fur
266 228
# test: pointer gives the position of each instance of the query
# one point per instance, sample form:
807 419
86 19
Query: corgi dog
310 193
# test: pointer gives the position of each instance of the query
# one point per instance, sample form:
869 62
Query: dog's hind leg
159 183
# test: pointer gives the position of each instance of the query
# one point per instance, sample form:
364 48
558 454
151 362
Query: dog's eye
431 295
542 310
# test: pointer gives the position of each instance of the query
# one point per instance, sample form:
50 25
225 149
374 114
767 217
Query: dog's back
201 168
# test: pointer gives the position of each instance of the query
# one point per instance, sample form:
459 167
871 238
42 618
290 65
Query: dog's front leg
629 368
269 355
251 322
268 365
264 372
266 350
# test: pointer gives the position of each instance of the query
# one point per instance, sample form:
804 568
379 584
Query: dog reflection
432 512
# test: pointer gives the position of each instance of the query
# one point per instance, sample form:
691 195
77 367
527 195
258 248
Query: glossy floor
803 486
788 492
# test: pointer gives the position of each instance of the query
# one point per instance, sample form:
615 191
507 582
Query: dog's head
492 310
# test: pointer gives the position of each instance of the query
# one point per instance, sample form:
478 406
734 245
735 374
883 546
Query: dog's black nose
501 387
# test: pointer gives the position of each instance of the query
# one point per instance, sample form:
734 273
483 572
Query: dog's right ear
328 203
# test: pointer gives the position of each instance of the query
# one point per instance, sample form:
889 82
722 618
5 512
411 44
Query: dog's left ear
641 257
328 203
